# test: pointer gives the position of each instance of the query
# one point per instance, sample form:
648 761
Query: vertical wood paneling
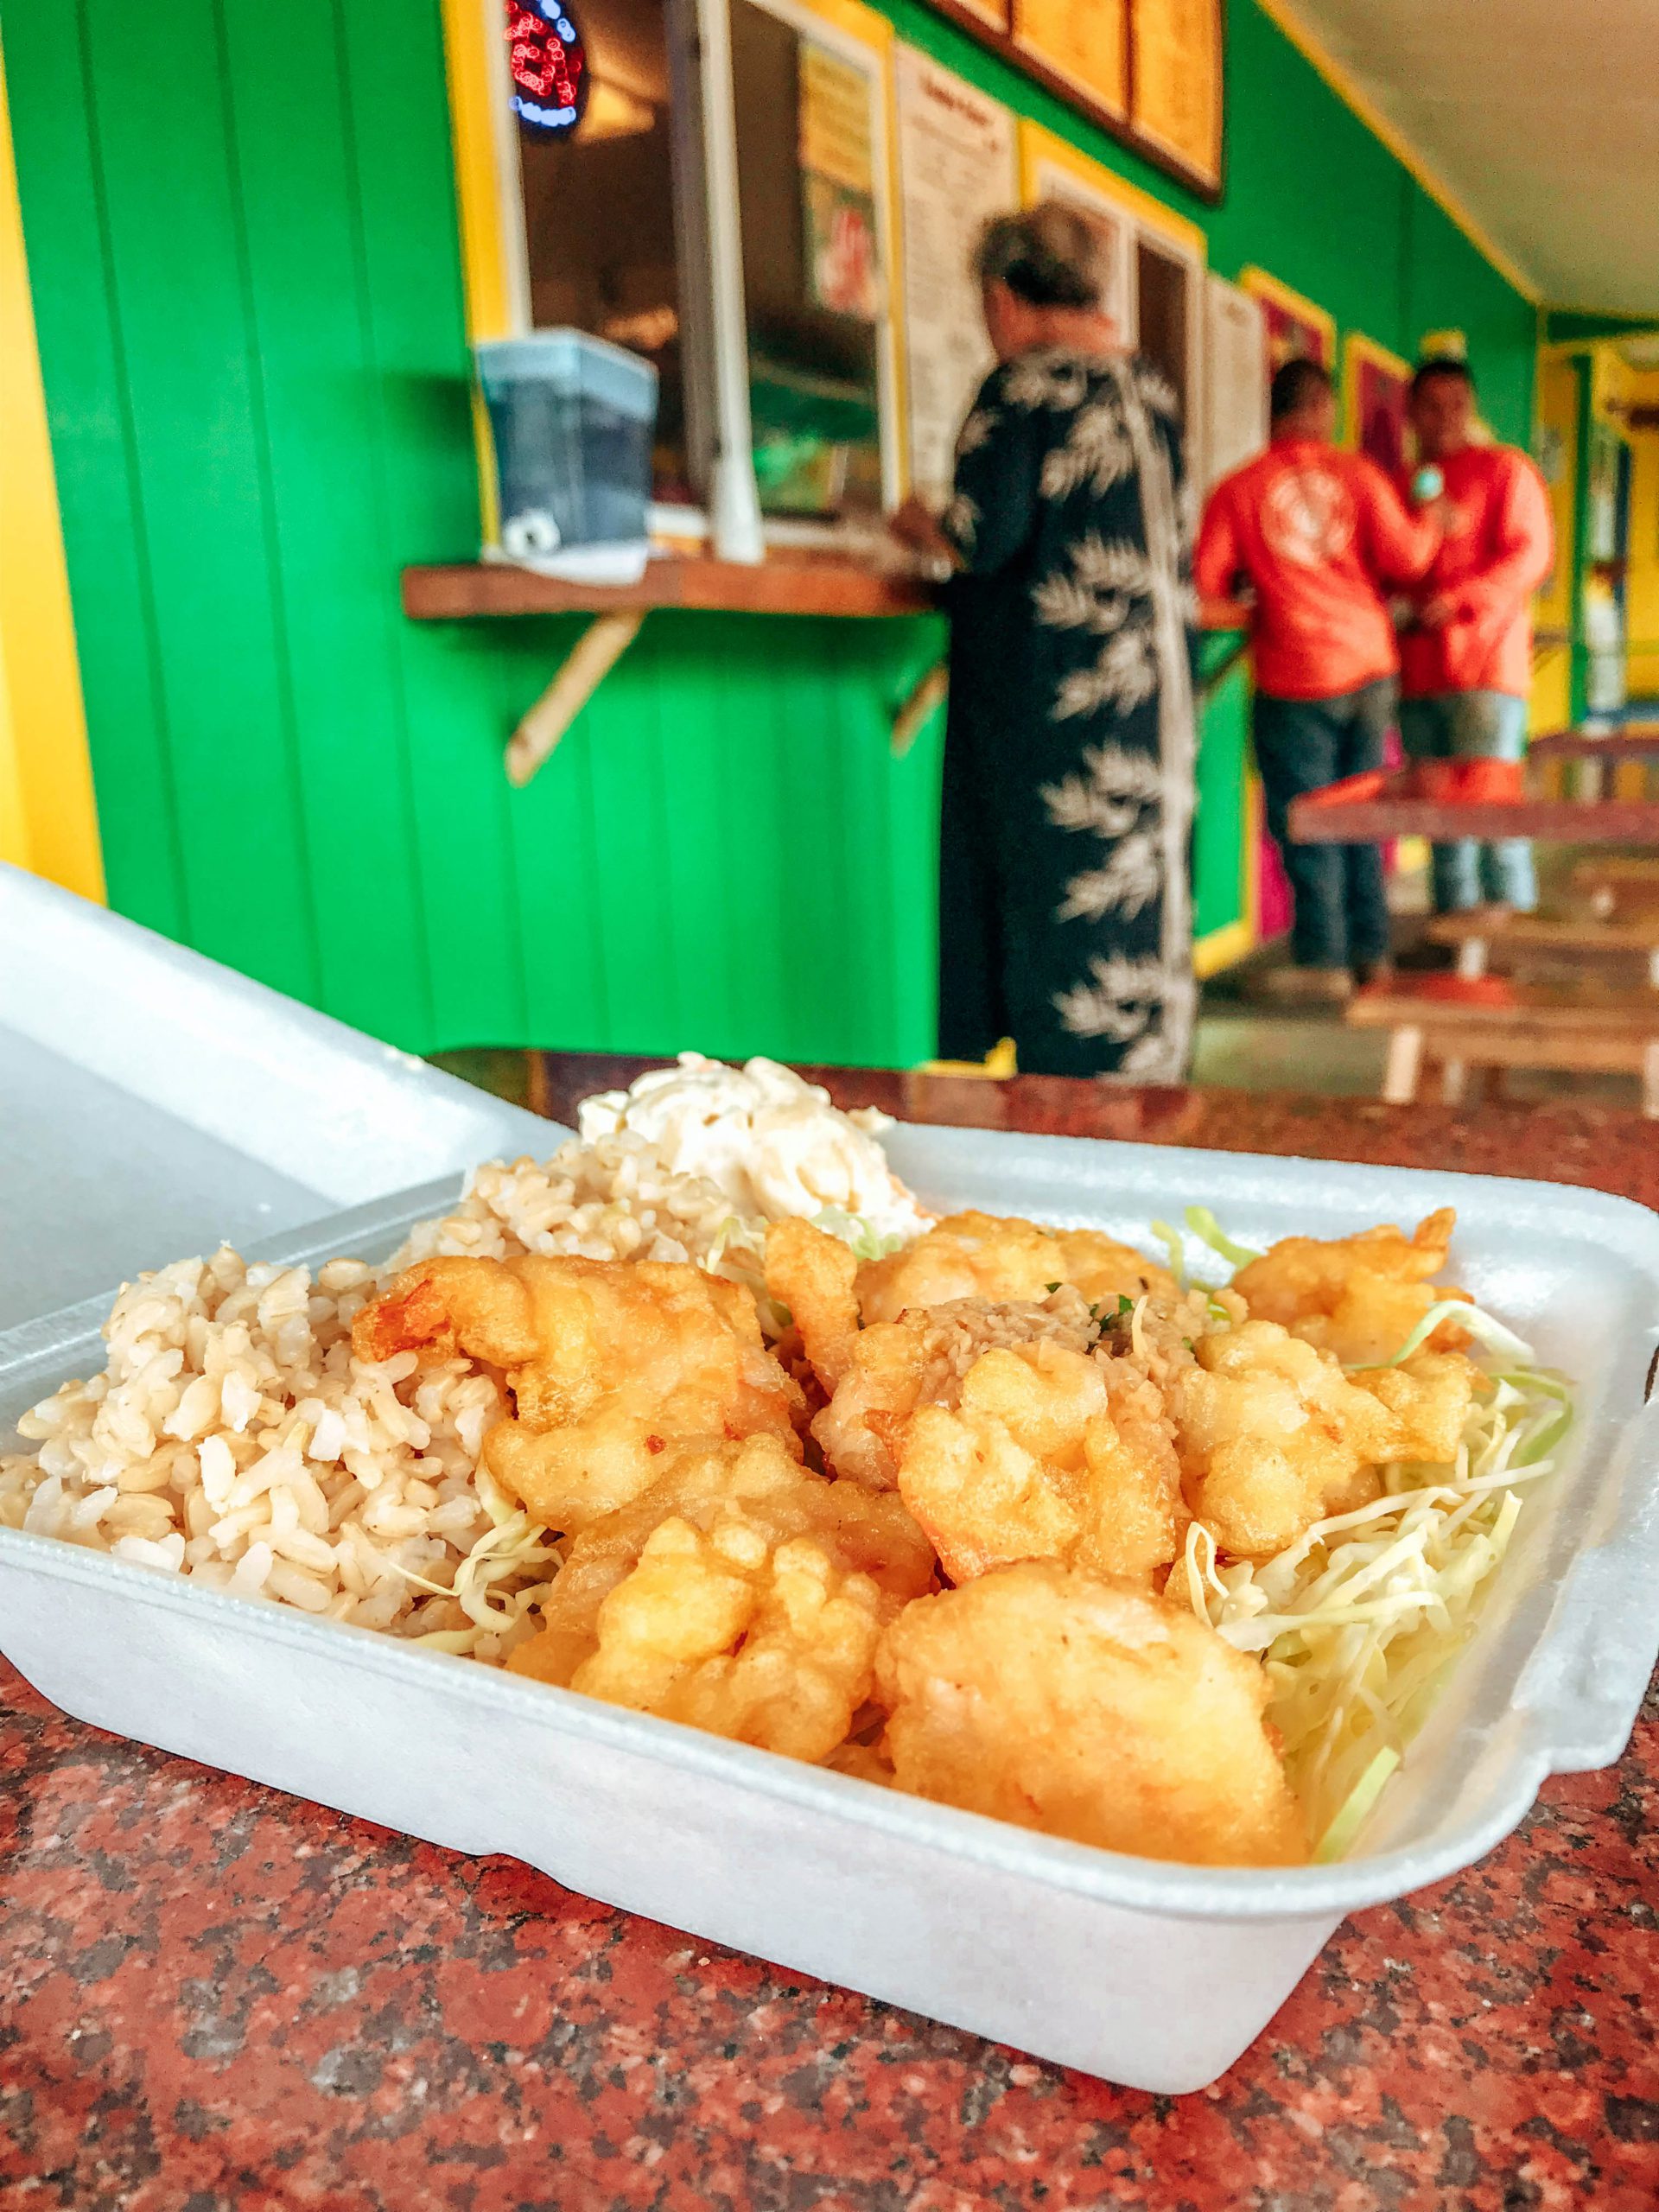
405 198
179 286
332 556
61 188
552 823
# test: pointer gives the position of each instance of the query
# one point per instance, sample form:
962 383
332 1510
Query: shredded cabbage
1490 1332
1208 1231
510 1548
1359 1621
866 1240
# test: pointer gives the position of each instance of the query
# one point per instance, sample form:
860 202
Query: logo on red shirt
1307 517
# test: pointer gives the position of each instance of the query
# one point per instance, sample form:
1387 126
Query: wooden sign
1177 102
1149 72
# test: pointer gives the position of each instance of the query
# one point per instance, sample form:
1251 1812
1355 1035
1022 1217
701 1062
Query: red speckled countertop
214 1998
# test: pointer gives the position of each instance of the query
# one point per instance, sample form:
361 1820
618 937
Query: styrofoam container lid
153 1102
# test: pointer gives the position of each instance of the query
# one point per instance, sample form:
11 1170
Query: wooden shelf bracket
595 654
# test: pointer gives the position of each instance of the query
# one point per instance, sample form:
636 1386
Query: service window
812 183
590 96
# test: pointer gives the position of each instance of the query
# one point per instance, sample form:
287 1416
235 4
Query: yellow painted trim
1401 147
1254 823
1263 286
1221 948
1039 144
1357 347
469 56
48 813
857 20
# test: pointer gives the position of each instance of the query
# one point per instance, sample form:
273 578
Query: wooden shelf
467 591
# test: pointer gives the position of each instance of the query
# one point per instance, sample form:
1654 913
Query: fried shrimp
814 1274
1050 1453
608 1362
1079 1706
1272 1436
1359 1297
985 1255
897 1366
740 1594
1429 1396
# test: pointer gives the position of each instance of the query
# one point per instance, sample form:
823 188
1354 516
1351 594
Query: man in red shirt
1320 535
1465 656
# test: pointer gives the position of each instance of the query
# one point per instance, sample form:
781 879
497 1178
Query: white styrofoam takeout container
1147 1973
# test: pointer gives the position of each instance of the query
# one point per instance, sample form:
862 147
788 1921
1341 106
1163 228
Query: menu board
1085 43
1235 380
838 185
1150 71
1178 97
957 169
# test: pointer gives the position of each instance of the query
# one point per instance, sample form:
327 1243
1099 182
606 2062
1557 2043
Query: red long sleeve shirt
1499 546
1320 535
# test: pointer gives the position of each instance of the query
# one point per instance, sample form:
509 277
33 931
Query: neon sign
548 64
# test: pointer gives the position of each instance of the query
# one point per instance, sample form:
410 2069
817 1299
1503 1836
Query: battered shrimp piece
1272 1436
608 1362
896 1366
1429 1396
814 1276
1359 1297
1077 1706
1051 1454
984 1255
740 1594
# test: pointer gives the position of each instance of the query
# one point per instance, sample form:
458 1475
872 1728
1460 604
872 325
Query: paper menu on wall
1177 103
957 169
838 185
1235 379
1085 42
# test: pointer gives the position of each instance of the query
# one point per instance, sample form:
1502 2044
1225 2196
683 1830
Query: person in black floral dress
1065 913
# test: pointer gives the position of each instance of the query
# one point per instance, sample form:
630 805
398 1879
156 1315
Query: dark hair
1051 256
1441 365
1296 384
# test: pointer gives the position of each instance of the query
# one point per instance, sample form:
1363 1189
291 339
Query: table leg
1650 1079
1403 1063
1451 1082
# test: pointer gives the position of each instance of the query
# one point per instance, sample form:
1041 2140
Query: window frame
708 231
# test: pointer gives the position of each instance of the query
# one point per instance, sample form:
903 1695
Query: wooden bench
1516 942
1518 1026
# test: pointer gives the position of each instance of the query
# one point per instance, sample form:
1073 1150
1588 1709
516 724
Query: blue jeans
1472 726
1301 744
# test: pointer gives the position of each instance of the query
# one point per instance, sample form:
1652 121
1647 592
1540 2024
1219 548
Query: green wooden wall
242 244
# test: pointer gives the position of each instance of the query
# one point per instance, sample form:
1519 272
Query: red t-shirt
1320 534
1496 551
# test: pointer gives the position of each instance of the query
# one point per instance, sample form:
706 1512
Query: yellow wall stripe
49 816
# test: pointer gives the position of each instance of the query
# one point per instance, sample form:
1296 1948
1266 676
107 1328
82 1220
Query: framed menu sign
1150 71
1176 106
1083 42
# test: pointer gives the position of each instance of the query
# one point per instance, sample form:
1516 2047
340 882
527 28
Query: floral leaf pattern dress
1066 919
